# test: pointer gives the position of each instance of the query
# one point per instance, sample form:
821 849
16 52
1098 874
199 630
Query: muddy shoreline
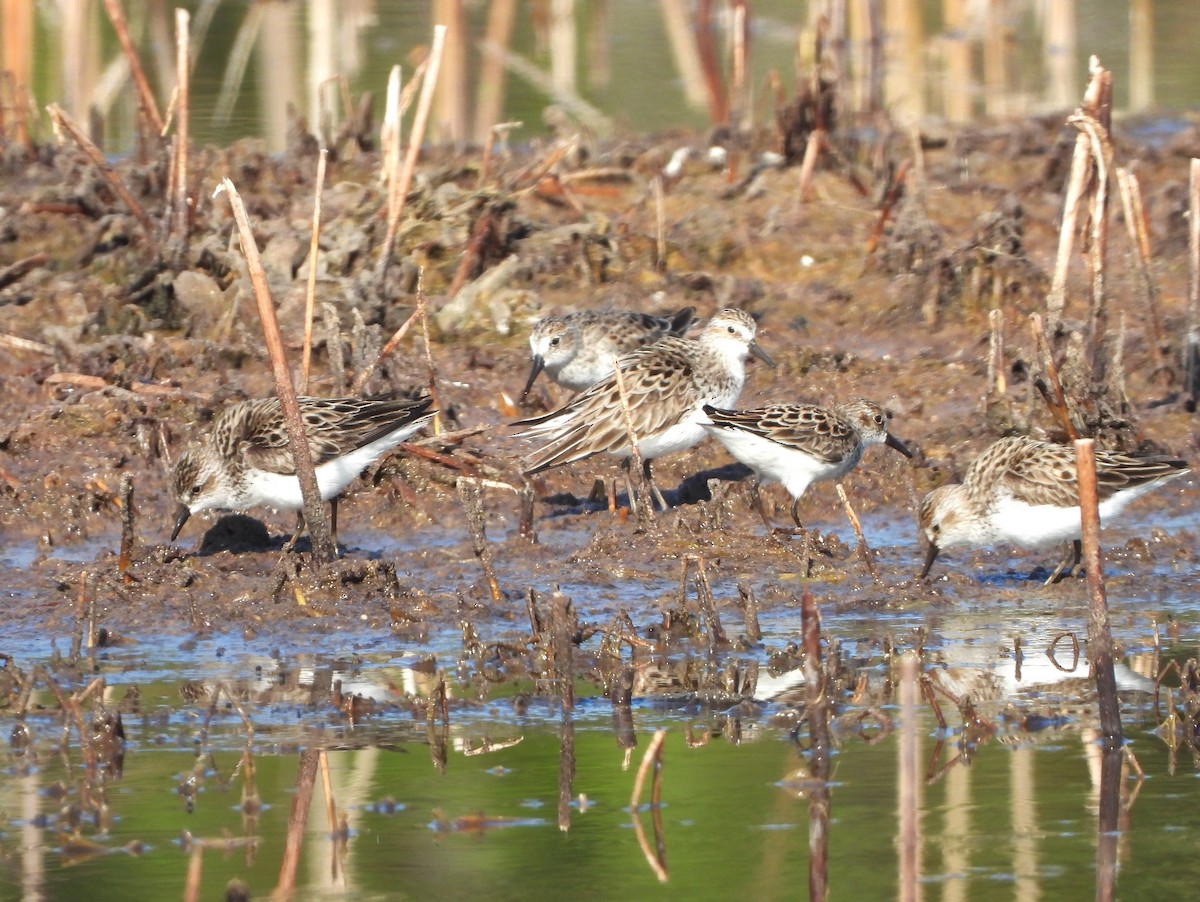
127 359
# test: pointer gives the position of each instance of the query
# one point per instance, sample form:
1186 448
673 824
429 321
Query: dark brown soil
134 355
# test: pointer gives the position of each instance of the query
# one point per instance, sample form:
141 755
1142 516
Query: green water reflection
1019 820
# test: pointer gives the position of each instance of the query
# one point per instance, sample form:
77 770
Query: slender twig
415 139
311 292
67 124
1192 350
863 548
180 215
314 511
149 107
1100 647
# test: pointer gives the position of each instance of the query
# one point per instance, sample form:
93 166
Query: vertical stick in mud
310 295
1100 647
415 138
314 511
116 15
1192 349
177 228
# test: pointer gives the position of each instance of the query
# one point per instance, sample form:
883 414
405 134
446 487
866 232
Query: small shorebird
667 385
799 444
577 350
246 461
1024 492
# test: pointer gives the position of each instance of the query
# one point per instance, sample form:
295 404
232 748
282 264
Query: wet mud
127 356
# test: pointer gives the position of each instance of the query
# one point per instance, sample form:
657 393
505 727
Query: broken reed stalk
125 557
311 290
191 887
1057 402
1100 646
146 102
863 548
390 134
1192 347
361 379
414 146
812 152
315 515
306 778
471 495
564 625
997 380
63 121
660 226
430 369
1101 149
177 227
1077 183
749 606
643 509
1139 240
708 606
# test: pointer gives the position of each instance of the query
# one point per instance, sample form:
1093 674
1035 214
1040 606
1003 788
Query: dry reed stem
1139 240
1101 149
1192 349
812 151
146 102
863 548
997 381
14 272
645 509
1100 647
125 557
314 510
1059 407
1077 183
63 121
428 84
361 379
191 887
179 218
660 226
430 369
390 138
311 291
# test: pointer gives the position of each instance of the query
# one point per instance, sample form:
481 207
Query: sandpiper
246 461
577 350
799 444
667 385
1023 492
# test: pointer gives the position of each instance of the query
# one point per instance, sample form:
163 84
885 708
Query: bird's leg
625 469
658 496
756 502
290 545
333 522
1069 565
798 529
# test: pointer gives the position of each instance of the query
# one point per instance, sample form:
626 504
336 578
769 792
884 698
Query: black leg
756 501
662 502
1069 565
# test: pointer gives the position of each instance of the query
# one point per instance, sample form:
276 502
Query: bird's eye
935 528
554 342
197 489
878 419
732 330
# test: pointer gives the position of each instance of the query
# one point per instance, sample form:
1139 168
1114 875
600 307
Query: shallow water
1004 804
